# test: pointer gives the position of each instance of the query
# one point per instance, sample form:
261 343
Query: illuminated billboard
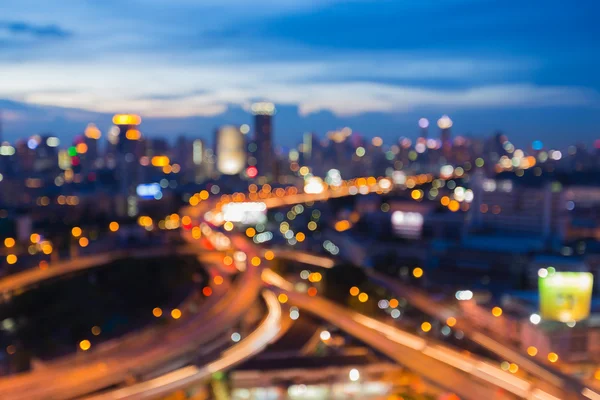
250 213
565 296
407 224
149 191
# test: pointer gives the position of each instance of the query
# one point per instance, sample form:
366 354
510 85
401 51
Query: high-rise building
423 125
263 137
445 123
307 147
516 208
129 134
230 150
92 135
128 150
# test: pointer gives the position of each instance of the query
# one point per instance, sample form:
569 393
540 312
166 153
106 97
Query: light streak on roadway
305 258
437 310
482 370
476 368
163 385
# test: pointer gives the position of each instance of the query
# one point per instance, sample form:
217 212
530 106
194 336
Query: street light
113 226
85 345
535 319
76 231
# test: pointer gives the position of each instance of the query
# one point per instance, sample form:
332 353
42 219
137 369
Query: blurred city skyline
188 68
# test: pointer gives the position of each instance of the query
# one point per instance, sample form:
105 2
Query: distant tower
92 134
445 123
263 137
230 150
128 149
307 147
423 124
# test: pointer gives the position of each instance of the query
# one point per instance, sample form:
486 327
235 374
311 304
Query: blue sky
529 69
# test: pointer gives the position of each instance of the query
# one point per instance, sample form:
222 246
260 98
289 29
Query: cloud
183 58
21 28
342 99
358 98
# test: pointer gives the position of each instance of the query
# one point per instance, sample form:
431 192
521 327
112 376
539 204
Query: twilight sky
530 69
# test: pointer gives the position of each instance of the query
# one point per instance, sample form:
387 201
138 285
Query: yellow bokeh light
194 201
92 132
553 357
363 297
425 326
300 237
196 232
250 232
144 220
176 313
76 231
532 351
315 277
269 255
85 345
9 242
415 194
83 242
496 311
513 368
312 225
46 248
127 119
303 171
113 226
282 298
35 238
454 206
255 261
418 272
11 259
157 312
445 200
227 260
81 148
354 291
133 134
218 280
597 375
342 225
228 226
451 321
204 195
394 303
160 161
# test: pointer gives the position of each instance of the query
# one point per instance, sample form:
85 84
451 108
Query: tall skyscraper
128 149
92 134
445 123
307 147
263 137
423 124
230 150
